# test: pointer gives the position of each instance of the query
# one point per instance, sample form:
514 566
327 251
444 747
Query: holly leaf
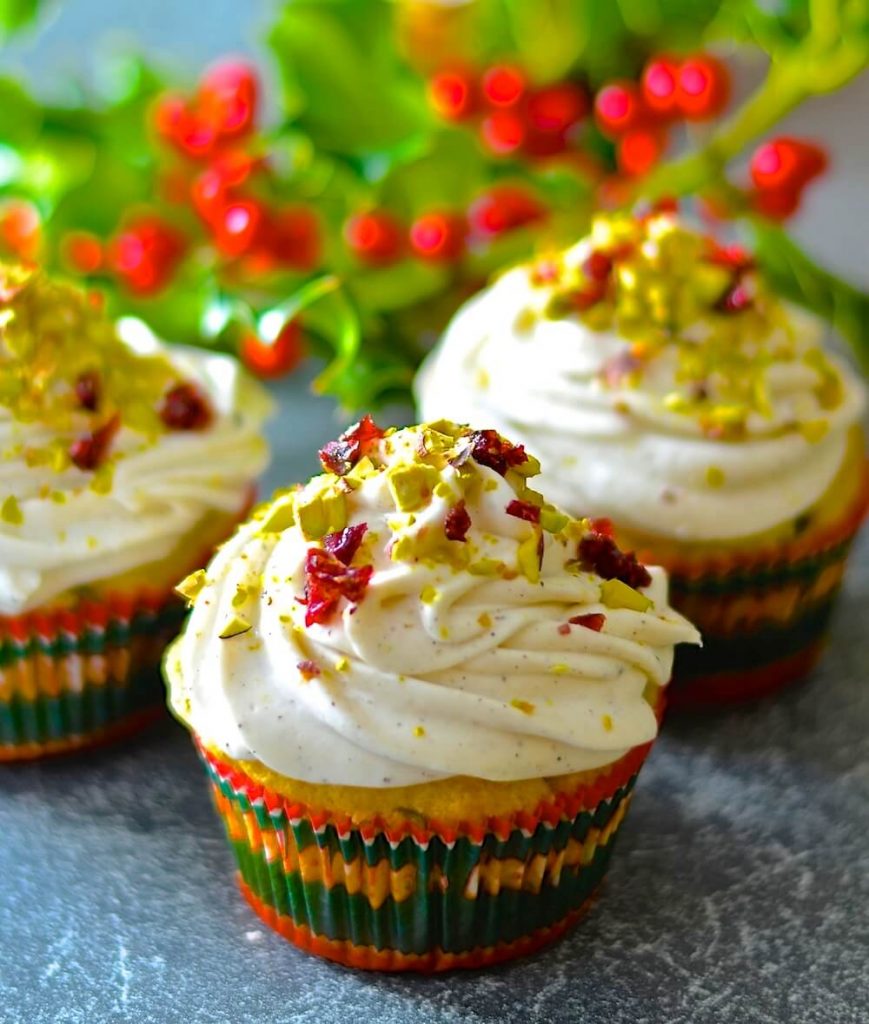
341 71
16 15
799 279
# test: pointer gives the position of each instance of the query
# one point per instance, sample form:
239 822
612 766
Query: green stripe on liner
94 641
805 570
441 917
751 649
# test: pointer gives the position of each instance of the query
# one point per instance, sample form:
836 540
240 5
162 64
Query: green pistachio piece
528 559
190 587
320 512
615 594
530 467
411 486
552 520
234 627
279 517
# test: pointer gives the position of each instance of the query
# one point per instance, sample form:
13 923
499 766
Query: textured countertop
739 891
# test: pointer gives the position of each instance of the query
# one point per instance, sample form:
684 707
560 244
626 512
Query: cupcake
422 697
122 465
666 388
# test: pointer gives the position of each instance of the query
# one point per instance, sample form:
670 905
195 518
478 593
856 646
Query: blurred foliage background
345 195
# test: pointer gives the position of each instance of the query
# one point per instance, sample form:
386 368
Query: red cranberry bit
327 580
600 554
89 452
457 522
736 299
524 510
308 669
564 629
340 456
488 448
594 621
345 543
604 526
185 408
597 266
87 390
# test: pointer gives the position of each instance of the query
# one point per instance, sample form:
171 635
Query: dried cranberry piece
597 266
457 522
308 669
87 390
604 526
490 449
340 456
345 543
524 510
185 407
563 628
599 553
327 580
89 451
594 620
736 299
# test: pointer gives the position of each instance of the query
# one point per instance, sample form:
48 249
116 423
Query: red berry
503 131
228 97
503 208
327 580
19 229
599 553
503 85
374 237
777 203
451 94
488 448
89 451
617 107
594 621
169 114
438 237
639 149
660 86
556 108
598 266
703 88
82 251
276 358
786 162
237 226
185 407
292 237
146 253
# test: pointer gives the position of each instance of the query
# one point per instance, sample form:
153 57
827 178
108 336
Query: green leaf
802 281
16 14
340 69
21 117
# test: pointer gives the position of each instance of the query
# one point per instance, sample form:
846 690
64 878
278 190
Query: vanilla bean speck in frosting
657 378
112 448
417 612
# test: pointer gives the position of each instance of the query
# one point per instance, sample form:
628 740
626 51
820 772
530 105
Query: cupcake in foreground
122 465
422 696
664 387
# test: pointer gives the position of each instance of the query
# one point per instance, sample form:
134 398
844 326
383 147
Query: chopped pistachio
814 430
234 627
615 594
715 476
190 587
320 510
528 559
486 567
429 594
530 467
419 731
411 486
526 707
10 511
279 517
552 520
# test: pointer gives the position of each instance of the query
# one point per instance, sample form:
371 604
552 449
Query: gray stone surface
738 894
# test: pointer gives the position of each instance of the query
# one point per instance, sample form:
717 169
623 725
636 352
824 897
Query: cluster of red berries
511 116
329 577
780 171
340 456
637 115
599 553
378 238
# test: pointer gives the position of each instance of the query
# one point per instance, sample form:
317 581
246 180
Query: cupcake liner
415 893
763 614
75 676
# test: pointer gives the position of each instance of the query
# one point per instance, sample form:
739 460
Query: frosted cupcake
122 464
422 696
664 387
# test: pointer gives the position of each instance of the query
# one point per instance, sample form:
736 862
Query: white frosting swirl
71 535
437 671
616 450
